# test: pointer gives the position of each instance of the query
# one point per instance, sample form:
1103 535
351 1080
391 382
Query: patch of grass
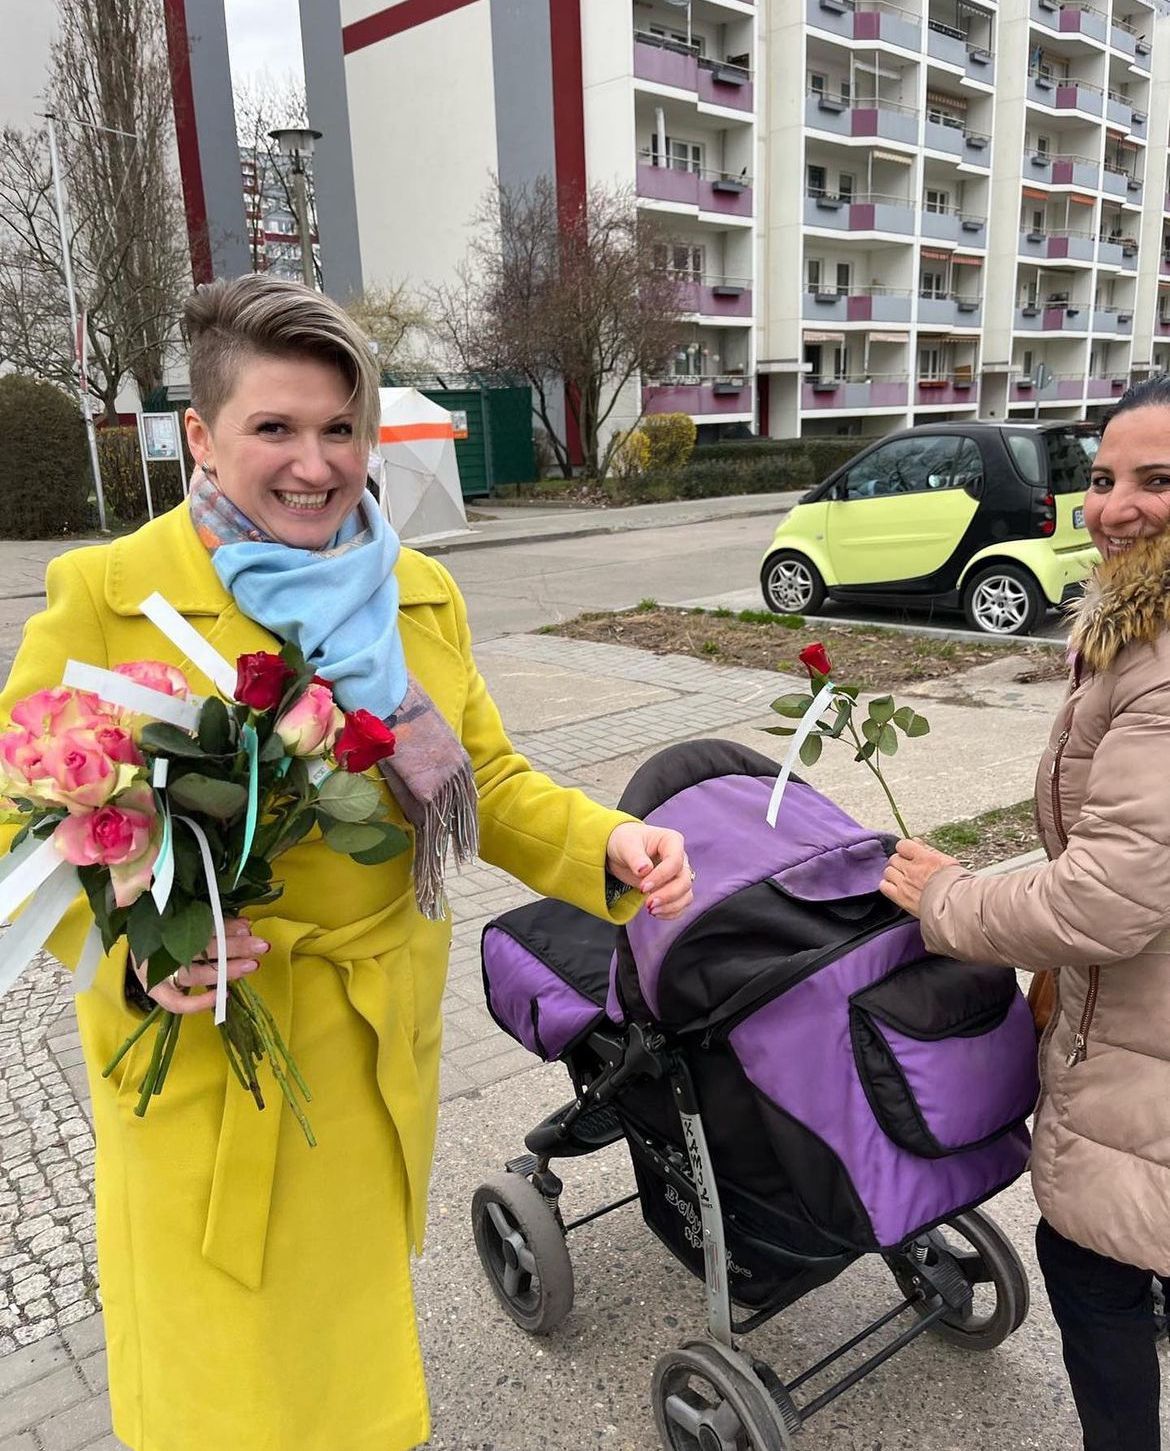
980 841
646 607
710 647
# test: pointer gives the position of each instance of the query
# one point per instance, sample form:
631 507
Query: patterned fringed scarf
340 607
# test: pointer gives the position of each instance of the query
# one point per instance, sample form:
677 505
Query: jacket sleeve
68 628
1108 895
551 837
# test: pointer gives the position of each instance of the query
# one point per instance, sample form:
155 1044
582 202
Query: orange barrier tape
407 432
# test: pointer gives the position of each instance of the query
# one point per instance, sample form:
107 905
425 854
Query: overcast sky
264 35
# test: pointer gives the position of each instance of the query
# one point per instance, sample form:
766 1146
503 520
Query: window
680 258
937 201
679 37
817 180
933 283
840 361
844 277
812 274
687 362
906 466
1038 219
1026 365
846 89
679 155
1043 146
817 84
1070 459
845 186
967 469
931 364
1025 450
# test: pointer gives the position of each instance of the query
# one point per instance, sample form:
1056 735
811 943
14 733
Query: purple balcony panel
888 393
1164 268
859 309
1070 387
730 197
946 392
1103 387
665 184
666 67
738 94
1162 328
696 398
715 299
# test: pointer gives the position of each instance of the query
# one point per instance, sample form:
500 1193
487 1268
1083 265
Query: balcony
1164 265
1117 321
1115 180
1064 317
866 20
1162 327
869 212
1123 38
672 63
722 394
1064 169
959 389
1077 18
874 304
887 120
954 139
715 297
1065 95
950 310
1122 112
1062 244
718 192
949 224
1110 386
1061 387
950 47
854 394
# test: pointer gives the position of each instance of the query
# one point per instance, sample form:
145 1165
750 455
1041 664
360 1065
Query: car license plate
1078 518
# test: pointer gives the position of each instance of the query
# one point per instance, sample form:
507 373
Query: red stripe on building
394 20
568 97
187 139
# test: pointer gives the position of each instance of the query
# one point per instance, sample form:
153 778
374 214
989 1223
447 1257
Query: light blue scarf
338 605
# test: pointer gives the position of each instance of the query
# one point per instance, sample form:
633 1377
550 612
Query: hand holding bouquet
169 811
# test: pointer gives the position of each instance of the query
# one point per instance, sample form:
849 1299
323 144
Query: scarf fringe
450 821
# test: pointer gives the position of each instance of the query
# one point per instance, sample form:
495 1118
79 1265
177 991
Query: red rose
815 659
261 679
364 741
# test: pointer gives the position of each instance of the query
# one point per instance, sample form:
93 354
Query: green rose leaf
866 751
919 726
844 710
793 706
852 691
160 967
810 750
887 741
222 800
187 930
779 730
394 842
902 717
160 739
272 749
347 837
348 798
871 730
144 928
215 729
881 709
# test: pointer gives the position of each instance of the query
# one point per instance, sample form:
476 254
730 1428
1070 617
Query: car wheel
1003 599
792 584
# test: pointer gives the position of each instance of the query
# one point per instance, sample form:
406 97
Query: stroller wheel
523 1252
975 1246
706 1398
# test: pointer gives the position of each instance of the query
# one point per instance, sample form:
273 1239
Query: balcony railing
857 304
860 212
950 309
950 224
945 43
855 116
1060 242
855 391
710 191
1065 94
674 63
1059 387
867 20
1122 110
1115 320
724 393
714 296
1063 168
958 388
1106 385
1078 18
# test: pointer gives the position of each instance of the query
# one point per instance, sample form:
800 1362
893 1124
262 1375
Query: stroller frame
749 1397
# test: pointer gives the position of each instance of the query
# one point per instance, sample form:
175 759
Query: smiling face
1129 498
282 448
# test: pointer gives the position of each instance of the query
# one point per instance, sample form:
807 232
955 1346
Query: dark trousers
1105 1311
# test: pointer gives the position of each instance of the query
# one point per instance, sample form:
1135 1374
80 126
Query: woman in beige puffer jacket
1098 915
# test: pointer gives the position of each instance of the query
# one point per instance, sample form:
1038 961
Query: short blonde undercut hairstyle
226 320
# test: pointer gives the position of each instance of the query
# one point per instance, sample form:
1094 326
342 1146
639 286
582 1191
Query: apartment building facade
879 213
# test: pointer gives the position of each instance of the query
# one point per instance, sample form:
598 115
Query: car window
1025 452
904 466
1070 459
967 470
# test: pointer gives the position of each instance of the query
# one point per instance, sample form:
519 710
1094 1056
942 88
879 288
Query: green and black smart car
984 517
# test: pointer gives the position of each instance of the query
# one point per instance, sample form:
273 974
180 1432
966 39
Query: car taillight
1046 515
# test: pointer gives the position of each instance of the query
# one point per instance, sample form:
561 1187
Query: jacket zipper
1080 1045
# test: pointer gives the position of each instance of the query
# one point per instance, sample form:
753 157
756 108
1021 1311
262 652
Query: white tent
420 477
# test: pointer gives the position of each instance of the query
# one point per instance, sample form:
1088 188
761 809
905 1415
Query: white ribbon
808 723
87 963
221 981
56 893
28 874
163 879
120 690
206 658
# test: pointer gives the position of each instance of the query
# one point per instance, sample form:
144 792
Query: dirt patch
981 841
869 657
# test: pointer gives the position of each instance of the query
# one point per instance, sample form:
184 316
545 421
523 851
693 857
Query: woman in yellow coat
257 1291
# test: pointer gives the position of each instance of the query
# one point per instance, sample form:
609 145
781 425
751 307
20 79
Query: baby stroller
798 1081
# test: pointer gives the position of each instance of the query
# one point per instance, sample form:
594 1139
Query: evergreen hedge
44 462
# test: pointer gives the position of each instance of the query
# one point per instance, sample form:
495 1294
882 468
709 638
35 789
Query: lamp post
297 142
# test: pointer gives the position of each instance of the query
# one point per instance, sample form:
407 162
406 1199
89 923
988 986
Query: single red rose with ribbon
261 679
815 659
364 741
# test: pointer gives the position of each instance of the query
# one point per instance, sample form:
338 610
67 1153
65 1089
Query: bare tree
398 323
563 294
109 87
263 103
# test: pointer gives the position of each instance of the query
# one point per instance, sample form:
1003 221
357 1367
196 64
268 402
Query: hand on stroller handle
653 859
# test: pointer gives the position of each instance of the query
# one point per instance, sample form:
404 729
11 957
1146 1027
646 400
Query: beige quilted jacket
1099 913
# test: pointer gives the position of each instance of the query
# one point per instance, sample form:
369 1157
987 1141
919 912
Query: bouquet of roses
169 811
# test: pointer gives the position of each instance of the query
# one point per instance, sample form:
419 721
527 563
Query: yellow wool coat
256 1291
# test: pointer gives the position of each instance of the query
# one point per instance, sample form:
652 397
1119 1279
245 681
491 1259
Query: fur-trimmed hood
1126 602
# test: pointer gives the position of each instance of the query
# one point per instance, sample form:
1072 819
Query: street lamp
297 142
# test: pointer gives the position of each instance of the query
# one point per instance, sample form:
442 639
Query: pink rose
156 675
118 744
310 727
76 772
48 711
121 835
20 762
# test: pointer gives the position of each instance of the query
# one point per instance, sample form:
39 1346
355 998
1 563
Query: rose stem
148 1082
151 1017
259 1009
168 1052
